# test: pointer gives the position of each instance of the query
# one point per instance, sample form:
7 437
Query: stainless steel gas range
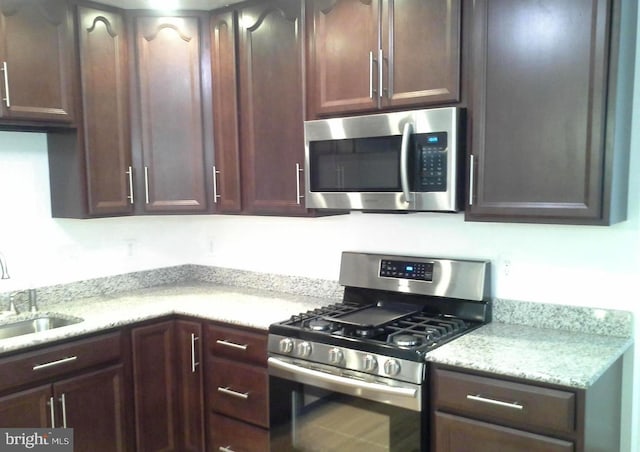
351 375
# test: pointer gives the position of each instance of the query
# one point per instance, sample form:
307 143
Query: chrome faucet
3 267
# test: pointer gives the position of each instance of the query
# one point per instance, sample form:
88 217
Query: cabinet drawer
236 436
237 344
238 390
454 433
514 404
51 362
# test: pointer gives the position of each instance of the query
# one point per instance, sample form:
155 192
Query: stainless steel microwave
401 161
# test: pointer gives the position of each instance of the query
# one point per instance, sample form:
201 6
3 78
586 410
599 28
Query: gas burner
406 340
364 332
319 325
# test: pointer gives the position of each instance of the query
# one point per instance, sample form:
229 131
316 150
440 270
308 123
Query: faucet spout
3 267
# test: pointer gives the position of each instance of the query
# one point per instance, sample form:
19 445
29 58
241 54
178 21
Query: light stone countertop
567 358
240 306
544 355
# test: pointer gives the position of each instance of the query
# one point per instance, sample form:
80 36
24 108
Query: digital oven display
406 270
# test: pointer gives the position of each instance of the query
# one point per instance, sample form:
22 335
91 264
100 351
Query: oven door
315 410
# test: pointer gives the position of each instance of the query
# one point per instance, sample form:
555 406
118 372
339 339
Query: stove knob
392 367
304 349
286 345
369 363
335 356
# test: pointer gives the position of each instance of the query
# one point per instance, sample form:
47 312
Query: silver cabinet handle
371 91
471 178
55 363
64 411
52 410
299 195
380 75
146 184
225 449
231 392
130 174
479 398
231 344
404 162
215 185
7 97
194 364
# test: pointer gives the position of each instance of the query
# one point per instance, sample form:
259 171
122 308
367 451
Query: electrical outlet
130 247
506 267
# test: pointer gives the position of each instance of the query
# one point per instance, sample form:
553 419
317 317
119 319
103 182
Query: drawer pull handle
225 449
479 398
55 363
231 392
232 344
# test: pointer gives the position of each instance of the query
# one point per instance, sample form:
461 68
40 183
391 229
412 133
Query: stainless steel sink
35 325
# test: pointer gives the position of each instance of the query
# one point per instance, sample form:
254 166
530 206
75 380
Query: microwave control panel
430 151
422 271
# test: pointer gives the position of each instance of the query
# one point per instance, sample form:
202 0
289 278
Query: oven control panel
345 361
421 271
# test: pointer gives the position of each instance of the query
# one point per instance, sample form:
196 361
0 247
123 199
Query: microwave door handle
404 162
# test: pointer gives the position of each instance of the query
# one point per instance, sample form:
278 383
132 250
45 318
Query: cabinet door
171 118
227 186
271 93
344 56
105 110
421 48
459 434
155 387
30 408
93 404
190 380
36 53
539 76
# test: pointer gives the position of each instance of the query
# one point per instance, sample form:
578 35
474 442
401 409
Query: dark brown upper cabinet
226 170
170 138
90 168
271 87
37 57
382 54
550 110
105 111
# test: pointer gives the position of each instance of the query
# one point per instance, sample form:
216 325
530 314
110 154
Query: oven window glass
319 420
356 165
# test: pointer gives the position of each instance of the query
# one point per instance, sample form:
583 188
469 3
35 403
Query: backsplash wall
545 263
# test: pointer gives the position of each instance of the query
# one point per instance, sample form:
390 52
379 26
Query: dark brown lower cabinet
237 389
73 393
94 406
473 412
26 408
459 434
168 386
229 434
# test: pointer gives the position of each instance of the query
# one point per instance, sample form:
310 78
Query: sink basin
35 325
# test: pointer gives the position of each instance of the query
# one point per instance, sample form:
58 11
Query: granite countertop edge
557 357
497 348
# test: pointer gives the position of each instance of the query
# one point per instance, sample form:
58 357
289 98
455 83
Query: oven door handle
344 384
404 162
